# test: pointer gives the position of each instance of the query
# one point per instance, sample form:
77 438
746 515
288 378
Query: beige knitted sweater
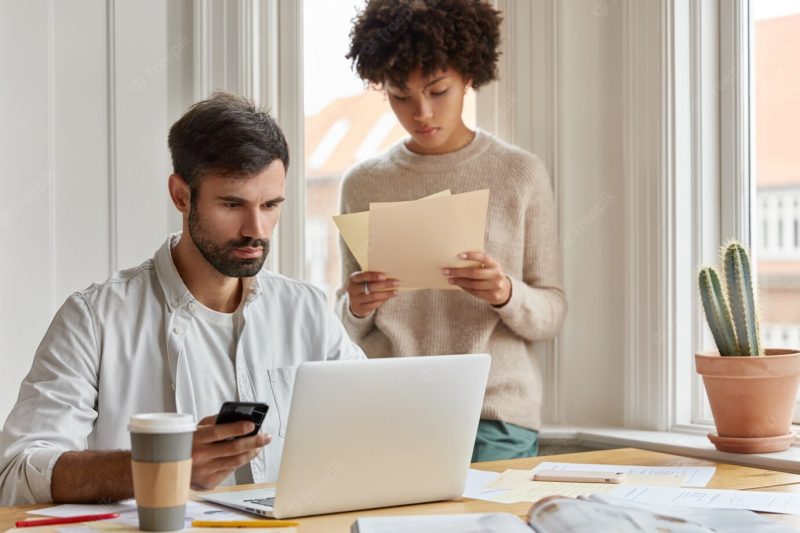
521 234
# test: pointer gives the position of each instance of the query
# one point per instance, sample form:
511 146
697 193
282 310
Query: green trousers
498 440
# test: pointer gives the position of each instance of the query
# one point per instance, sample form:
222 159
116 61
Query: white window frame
687 174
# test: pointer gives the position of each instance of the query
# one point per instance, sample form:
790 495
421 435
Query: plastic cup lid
162 423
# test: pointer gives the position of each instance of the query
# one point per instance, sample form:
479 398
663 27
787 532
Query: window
776 167
345 123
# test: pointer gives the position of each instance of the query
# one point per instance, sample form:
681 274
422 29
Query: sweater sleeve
538 305
356 327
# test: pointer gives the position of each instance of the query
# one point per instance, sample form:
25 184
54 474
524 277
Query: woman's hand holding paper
486 281
368 291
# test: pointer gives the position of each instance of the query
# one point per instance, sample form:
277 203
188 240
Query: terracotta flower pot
752 399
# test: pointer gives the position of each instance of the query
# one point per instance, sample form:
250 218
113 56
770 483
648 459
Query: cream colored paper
533 491
510 479
653 480
413 241
516 479
354 228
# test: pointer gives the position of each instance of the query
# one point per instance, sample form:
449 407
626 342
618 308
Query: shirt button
177 331
173 387
175 302
192 306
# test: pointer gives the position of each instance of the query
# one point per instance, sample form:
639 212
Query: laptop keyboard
269 502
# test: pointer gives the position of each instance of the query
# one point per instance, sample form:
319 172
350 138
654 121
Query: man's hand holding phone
219 449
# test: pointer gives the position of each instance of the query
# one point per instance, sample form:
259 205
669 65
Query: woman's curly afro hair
392 38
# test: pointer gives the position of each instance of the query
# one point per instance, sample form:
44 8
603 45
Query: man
197 325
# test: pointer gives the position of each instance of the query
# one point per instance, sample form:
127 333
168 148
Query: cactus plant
732 315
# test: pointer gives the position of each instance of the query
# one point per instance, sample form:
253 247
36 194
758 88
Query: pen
244 523
65 520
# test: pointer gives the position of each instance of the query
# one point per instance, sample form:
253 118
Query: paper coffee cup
161 461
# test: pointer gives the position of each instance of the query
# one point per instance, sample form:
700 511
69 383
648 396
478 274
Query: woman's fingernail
446 271
395 283
462 256
451 281
381 277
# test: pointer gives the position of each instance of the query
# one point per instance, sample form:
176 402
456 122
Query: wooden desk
726 477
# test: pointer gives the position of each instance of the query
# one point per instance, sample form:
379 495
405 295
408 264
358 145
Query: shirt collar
172 284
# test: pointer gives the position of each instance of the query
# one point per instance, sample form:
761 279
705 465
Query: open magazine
601 512
591 514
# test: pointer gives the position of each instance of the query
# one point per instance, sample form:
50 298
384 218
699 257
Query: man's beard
221 256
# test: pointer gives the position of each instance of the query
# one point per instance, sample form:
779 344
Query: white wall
83 155
590 177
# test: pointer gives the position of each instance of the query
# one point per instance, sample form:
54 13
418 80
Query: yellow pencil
244 523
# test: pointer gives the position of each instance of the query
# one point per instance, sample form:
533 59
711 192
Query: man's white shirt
123 347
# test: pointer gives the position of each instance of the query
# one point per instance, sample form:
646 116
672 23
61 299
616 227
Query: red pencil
65 520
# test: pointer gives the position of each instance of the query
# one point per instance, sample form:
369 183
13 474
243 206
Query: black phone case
236 411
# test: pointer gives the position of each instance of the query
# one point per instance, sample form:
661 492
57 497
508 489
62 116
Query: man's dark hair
392 38
226 135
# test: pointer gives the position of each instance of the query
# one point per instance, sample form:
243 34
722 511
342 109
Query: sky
327 74
764 9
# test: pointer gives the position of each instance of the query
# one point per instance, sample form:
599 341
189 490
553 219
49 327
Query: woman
425 54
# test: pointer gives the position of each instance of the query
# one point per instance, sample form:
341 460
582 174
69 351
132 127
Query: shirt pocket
282 382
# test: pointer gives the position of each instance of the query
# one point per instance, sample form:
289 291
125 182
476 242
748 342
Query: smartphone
236 411
578 477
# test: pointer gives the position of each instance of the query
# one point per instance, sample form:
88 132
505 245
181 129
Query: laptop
374 433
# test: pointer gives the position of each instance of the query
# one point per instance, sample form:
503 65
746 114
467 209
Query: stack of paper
413 241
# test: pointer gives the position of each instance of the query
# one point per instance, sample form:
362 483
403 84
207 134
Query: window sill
686 441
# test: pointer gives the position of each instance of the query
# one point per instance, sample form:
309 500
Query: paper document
413 241
601 512
130 518
511 479
694 476
72 509
452 523
765 502
354 228
533 491
477 480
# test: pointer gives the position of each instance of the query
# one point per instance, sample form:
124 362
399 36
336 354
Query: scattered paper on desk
694 476
533 491
128 517
354 228
654 480
73 509
760 501
450 523
511 479
477 480
413 241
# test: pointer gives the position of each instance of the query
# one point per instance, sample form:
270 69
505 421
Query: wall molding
647 152
677 202
112 136
522 108
291 230
735 86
